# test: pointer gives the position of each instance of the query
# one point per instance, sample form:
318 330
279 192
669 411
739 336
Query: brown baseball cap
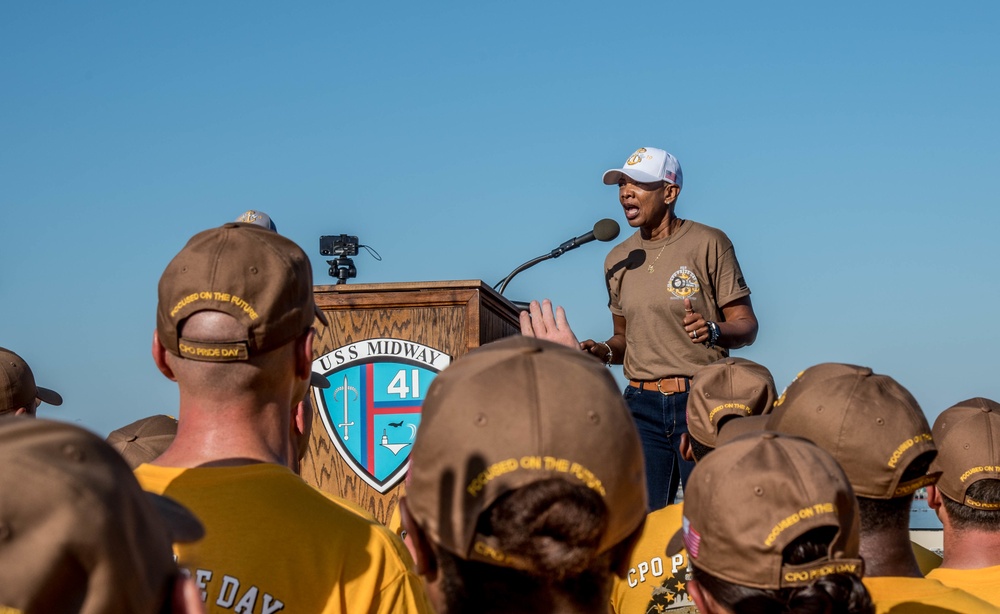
77 533
17 384
144 439
869 422
511 413
968 439
737 523
726 388
259 277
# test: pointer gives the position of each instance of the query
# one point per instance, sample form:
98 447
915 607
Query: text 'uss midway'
379 348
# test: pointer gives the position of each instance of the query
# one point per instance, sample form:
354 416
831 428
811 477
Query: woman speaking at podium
678 302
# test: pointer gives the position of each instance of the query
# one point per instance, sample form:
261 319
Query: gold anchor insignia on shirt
683 283
636 157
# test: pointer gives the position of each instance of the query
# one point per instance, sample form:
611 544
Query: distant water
923 517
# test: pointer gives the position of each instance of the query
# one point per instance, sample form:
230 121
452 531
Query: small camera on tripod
343 247
338 245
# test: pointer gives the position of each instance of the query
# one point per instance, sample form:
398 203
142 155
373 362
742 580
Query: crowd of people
533 484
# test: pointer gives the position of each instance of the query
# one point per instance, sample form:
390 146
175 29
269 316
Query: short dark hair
964 517
884 514
555 527
894 513
839 593
699 449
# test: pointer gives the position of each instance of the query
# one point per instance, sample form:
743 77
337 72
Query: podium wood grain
451 316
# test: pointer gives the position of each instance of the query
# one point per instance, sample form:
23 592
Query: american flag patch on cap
691 538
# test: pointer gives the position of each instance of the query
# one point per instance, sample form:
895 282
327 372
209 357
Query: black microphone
604 230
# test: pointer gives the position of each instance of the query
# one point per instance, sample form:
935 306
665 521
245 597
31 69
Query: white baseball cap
258 217
648 165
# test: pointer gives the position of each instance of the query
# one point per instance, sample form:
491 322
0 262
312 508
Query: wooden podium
384 345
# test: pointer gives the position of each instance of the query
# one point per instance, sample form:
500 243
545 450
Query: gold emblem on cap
636 157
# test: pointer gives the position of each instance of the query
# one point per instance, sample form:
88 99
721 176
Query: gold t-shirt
893 595
983 583
658 571
275 544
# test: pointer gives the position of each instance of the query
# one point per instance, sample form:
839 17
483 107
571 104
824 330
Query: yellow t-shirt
983 583
926 559
275 544
658 569
395 523
897 595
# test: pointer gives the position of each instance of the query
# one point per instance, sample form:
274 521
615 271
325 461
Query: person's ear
670 193
160 357
303 355
935 501
302 424
420 547
302 418
934 497
687 452
703 599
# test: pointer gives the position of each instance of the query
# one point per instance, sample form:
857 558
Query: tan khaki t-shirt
695 262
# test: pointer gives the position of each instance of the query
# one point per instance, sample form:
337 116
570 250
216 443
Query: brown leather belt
666 385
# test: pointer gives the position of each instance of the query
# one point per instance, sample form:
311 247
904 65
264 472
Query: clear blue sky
849 150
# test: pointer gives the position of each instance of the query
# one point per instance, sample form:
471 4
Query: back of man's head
233 328
259 278
232 298
968 440
78 534
18 392
873 427
721 393
526 475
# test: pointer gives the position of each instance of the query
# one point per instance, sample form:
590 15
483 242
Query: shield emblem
371 410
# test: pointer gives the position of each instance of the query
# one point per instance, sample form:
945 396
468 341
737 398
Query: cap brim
741 426
318 380
183 526
48 396
613 176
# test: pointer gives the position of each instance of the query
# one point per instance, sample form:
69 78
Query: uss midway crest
372 408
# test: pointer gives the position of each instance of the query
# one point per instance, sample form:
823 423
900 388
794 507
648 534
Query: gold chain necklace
650 268
670 231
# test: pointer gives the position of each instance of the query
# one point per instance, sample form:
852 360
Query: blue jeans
661 420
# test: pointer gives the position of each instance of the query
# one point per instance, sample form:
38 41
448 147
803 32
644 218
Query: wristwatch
713 334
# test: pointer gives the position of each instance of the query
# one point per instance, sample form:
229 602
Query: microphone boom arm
527 265
604 230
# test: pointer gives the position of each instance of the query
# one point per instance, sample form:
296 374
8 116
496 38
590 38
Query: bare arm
737 330
616 343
